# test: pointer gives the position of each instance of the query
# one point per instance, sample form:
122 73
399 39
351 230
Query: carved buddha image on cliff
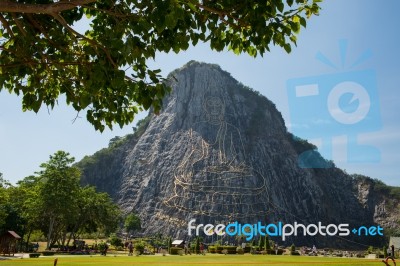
214 179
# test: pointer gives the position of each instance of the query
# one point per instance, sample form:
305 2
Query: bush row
221 249
175 251
234 250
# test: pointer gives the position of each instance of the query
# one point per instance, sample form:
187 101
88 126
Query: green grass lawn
209 259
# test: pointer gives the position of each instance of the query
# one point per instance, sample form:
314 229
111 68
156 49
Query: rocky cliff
220 152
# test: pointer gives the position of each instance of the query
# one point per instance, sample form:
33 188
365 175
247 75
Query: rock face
220 152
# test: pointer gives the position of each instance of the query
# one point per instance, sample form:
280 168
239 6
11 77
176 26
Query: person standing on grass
105 249
202 249
187 248
130 247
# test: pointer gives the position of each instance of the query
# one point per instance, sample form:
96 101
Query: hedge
230 249
48 253
174 251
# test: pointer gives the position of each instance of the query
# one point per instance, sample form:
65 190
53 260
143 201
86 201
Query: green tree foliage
4 198
17 207
96 212
169 244
103 70
300 145
132 223
261 242
116 241
26 200
292 248
197 245
267 244
379 186
10 216
54 203
58 188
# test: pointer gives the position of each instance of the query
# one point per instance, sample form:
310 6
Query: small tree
115 241
292 249
59 184
139 246
169 244
370 249
197 245
261 243
132 223
240 239
267 244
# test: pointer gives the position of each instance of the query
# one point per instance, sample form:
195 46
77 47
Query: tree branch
39 27
6 25
110 12
14 7
60 19
30 62
221 15
19 25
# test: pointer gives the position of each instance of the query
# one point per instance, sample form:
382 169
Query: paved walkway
16 256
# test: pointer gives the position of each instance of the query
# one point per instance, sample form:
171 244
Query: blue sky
344 32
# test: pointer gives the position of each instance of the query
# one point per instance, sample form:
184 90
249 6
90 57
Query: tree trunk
51 225
27 239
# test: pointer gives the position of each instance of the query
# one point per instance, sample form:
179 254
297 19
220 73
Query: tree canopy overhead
103 71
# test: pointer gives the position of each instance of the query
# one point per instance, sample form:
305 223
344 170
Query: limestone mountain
219 152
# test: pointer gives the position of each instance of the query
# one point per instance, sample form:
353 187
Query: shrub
37 236
139 246
230 249
197 245
175 251
116 241
101 246
219 249
48 253
34 255
239 250
370 249
212 249
293 250
278 252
